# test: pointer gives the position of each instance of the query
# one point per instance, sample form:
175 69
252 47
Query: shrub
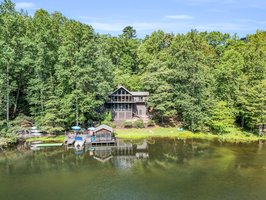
108 123
127 124
139 124
151 123
107 116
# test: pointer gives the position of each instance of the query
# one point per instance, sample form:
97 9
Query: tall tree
194 81
84 75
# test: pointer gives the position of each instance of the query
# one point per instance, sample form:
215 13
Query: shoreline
159 132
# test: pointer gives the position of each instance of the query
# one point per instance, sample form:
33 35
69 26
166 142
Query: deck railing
120 101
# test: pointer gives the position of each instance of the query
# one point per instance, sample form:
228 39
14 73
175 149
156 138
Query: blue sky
177 16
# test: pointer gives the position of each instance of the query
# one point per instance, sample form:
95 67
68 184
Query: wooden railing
121 101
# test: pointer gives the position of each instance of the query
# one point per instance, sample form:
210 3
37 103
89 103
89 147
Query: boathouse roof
103 126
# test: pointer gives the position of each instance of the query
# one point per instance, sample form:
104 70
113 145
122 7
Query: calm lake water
150 169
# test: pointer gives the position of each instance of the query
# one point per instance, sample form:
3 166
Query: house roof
132 93
140 93
119 87
103 160
103 126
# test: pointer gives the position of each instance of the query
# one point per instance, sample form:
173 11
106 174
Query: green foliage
139 124
108 120
127 124
59 72
229 73
109 123
108 116
255 106
9 131
222 118
162 97
151 123
129 32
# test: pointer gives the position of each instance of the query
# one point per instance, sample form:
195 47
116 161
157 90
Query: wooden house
126 104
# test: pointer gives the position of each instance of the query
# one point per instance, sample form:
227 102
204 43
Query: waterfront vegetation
236 136
55 72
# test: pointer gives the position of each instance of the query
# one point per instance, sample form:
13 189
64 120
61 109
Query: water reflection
125 153
144 169
122 155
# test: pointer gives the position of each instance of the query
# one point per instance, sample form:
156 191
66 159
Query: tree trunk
77 112
260 130
242 121
16 102
42 100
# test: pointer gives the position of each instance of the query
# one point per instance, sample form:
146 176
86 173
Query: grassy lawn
134 133
59 138
235 135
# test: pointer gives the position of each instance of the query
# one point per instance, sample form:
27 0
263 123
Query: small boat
35 132
79 142
69 140
33 148
36 142
79 152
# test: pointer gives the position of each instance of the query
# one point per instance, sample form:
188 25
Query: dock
90 140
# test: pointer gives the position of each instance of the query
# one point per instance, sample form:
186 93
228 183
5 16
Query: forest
56 71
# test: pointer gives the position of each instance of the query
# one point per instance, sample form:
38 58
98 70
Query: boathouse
125 104
103 133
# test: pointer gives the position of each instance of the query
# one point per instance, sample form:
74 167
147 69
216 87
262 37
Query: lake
143 169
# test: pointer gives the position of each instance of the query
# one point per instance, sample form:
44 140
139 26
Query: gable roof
118 88
138 93
103 160
103 126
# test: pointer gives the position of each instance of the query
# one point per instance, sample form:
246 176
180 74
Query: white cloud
140 26
179 17
179 26
25 5
118 26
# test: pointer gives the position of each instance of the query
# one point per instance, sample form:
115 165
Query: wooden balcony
127 101
121 101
